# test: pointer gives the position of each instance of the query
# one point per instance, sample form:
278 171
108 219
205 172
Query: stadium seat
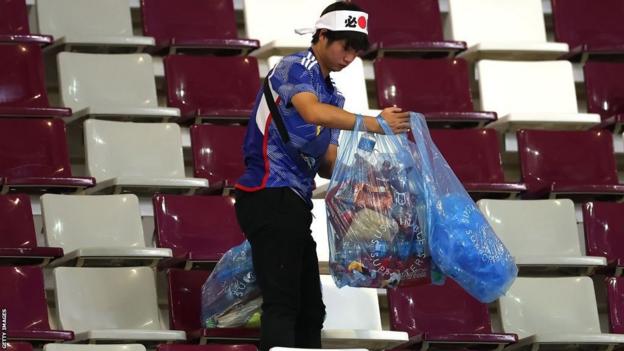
18 346
89 25
22 83
14 26
352 314
541 235
18 241
502 29
393 30
194 26
198 229
353 319
436 316
319 234
120 86
218 154
279 37
554 313
97 231
441 92
210 347
475 158
615 301
139 157
210 87
110 305
573 164
27 313
603 223
604 83
34 157
536 95
84 347
591 29
185 310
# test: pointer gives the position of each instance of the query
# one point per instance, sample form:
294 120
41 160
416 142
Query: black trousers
277 224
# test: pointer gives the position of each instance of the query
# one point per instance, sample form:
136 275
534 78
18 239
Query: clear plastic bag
462 244
231 295
375 210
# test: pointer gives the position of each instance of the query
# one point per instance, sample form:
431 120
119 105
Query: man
292 135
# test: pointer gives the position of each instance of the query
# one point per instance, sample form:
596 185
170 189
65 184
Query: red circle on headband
362 22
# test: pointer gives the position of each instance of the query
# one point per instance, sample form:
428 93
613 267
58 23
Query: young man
292 135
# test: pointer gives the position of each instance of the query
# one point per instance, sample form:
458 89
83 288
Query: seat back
442 84
319 230
75 222
351 83
394 22
14 17
473 154
84 19
185 298
85 347
604 230
203 224
572 157
550 305
22 79
33 148
106 298
116 149
106 81
615 302
534 227
432 308
292 14
24 296
188 19
217 152
191 82
527 87
350 308
19 346
503 21
579 22
604 86
209 347
17 228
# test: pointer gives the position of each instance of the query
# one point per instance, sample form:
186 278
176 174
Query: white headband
356 21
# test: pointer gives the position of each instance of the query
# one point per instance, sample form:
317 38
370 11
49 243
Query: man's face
337 56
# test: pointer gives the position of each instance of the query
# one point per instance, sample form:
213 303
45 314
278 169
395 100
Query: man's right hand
398 121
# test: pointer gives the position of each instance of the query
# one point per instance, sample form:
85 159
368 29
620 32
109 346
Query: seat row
104 305
477 28
225 88
195 231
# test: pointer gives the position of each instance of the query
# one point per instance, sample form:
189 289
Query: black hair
354 40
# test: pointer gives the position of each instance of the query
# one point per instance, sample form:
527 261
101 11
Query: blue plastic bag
462 244
375 211
231 295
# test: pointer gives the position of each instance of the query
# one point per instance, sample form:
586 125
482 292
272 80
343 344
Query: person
293 134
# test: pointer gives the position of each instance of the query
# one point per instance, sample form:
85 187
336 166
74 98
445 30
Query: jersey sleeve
291 77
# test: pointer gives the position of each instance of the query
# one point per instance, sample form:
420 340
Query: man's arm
318 113
328 161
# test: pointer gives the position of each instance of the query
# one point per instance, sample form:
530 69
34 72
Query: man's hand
398 121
